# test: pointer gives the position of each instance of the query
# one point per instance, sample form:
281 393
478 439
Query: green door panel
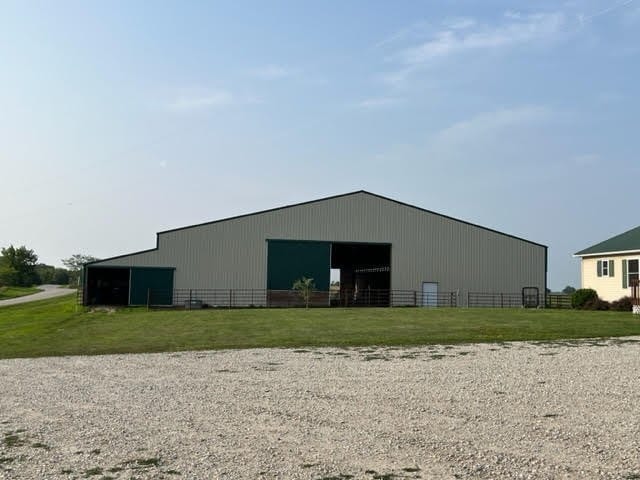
157 281
289 260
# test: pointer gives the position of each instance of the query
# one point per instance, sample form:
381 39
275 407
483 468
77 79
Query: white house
610 266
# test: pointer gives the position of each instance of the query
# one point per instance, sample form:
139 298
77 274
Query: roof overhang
604 254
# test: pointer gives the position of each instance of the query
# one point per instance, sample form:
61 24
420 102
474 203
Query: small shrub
305 286
581 297
624 304
596 304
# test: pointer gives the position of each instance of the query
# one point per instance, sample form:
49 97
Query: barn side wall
426 247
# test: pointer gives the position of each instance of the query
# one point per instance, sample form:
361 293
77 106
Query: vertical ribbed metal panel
426 247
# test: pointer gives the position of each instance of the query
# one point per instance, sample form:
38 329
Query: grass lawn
13 292
54 327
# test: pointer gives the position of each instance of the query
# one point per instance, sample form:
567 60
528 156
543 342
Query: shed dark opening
107 286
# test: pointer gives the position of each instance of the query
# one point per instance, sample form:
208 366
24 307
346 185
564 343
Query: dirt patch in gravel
514 410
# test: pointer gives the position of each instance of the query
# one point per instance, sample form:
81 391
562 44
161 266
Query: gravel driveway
48 291
516 410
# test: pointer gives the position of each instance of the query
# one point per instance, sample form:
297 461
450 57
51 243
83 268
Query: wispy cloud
583 18
487 125
273 72
493 147
460 23
412 31
609 97
201 100
208 99
458 35
632 17
378 102
466 35
398 78
586 160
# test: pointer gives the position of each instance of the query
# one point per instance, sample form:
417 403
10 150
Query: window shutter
599 268
611 268
624 274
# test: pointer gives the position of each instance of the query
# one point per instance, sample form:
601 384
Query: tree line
19 267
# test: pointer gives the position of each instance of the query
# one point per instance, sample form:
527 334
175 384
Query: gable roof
625 242
357 192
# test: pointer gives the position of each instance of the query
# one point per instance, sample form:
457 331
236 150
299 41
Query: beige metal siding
425 247
608 288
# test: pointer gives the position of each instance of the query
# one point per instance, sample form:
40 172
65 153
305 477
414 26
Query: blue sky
120 119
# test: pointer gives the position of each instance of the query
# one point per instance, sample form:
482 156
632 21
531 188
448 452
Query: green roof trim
624 242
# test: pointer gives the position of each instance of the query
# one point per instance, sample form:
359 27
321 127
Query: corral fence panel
513 300
556 300
247 298
494 300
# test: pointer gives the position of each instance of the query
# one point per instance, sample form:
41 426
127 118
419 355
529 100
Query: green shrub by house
623 304
584 298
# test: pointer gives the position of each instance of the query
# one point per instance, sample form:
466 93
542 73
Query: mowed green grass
59 327
14 292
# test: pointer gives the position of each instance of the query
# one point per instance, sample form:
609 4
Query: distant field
13 292
58 327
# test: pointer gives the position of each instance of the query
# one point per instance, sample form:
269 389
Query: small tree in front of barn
304 286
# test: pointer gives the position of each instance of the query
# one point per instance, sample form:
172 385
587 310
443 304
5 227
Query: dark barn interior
107 286
365 272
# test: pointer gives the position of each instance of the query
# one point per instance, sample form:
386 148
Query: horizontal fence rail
558 301
495 300
511 300
393 298
244 298
247 298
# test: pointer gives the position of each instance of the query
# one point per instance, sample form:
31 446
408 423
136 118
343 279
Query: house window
605 268
633 271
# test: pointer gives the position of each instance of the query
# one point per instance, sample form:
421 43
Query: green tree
305 286
61 276
568 290
75 264
45 273
7 273
19 266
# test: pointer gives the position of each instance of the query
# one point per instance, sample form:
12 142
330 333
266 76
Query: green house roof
620 243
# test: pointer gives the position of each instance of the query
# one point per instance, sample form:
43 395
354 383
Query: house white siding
609 287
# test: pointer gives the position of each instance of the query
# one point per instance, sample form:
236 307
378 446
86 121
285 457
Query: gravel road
517 410
48 291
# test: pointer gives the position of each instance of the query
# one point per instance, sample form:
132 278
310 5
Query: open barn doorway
107 286
365 273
